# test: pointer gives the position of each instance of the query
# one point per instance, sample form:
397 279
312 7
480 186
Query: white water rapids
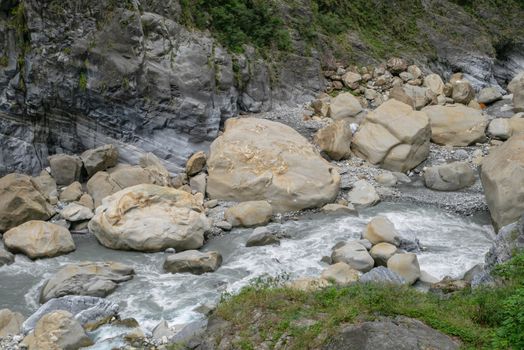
454 244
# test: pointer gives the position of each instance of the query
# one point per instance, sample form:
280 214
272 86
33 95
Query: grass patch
491 318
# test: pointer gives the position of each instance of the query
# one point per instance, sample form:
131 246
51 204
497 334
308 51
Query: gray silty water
454 244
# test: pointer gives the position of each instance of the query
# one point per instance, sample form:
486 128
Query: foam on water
454 244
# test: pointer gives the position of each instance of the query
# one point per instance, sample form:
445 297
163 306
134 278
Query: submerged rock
262 236
89 311
258 159
150 218
57 330
193 261
97 279
39 239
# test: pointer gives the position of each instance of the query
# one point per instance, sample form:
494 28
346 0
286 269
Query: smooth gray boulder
489 95
383 275
449 177
89 311
354 254
262 236
399 333
363 195
97 279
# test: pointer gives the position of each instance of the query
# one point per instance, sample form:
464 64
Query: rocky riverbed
395 176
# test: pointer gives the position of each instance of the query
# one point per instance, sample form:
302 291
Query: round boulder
150 218
39 239
340 273
379 230
335 140
355 255
406 265
258 159
382 252
249 214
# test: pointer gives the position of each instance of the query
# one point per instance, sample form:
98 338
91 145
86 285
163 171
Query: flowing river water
454 244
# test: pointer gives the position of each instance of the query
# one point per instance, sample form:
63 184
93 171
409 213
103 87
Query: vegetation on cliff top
384 27
491 318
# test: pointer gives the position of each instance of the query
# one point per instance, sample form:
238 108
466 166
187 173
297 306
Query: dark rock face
82 74
401 333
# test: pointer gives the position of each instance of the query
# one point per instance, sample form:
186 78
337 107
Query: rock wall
77 74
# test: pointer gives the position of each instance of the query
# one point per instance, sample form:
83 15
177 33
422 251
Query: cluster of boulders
380 256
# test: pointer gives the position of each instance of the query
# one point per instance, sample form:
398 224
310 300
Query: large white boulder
393 136
502 176
257 159
150 218
456 125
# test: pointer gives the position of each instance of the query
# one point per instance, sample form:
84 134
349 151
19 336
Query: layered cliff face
147 76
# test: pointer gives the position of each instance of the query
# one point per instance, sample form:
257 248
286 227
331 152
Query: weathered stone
500 128
100 186
463 92
20 201
258 159
518 96
394 136
415 71
456 125
10 322
127 176
434 83
87 201
406 265
196 163
341 274
335 139
502 177
396 65
321 106
97 279
489 95
71 193
381 253
150 218
449 177
386 179
99 159
352 80
515 82
46 185
363 195
65 169
198 183
355 255
39 239
155 169
262 236
419 96
382 275
379 230
75 212
193 261
386 334
57 330
249 214
344 106
89 311
398 93
308 284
